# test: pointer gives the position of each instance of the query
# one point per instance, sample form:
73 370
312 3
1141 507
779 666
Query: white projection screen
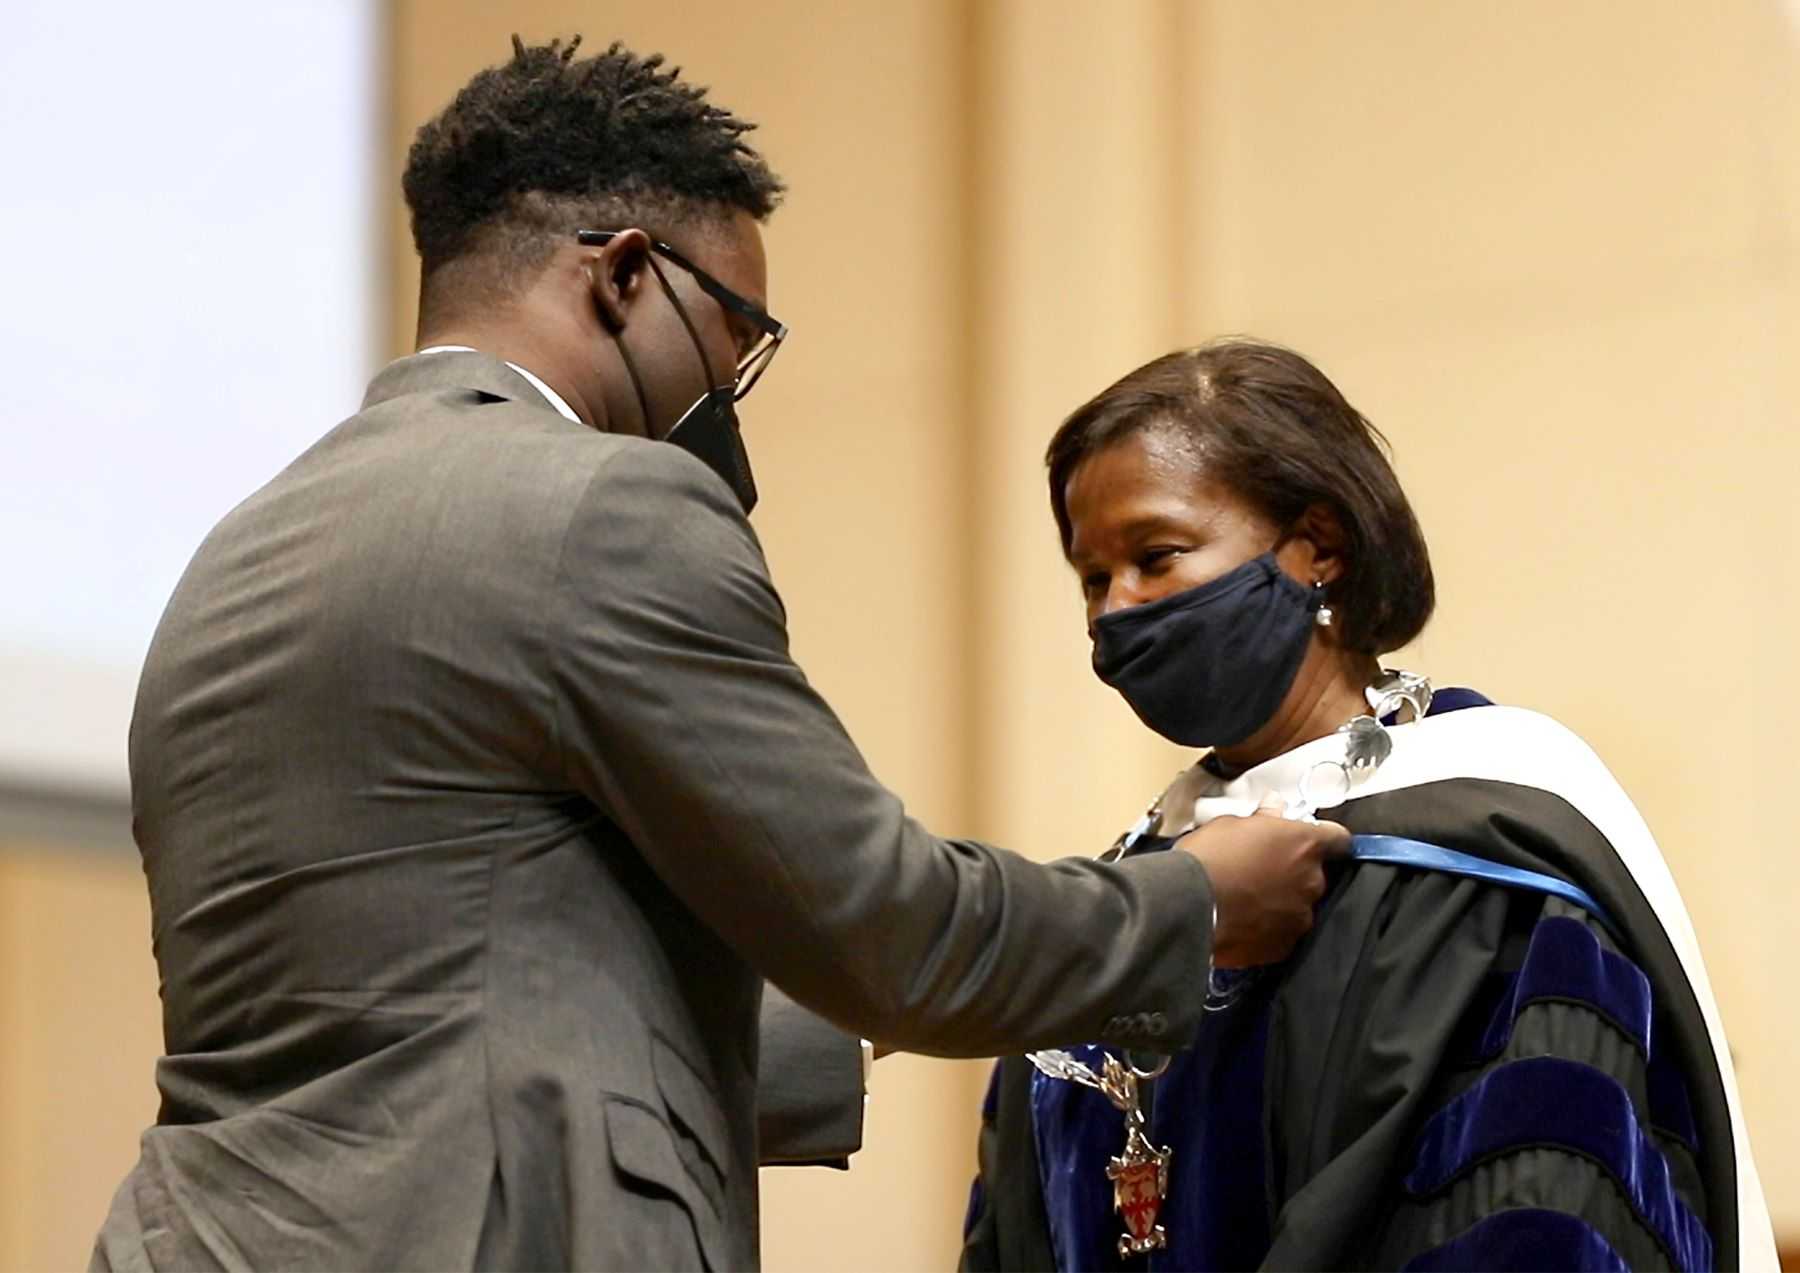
189 230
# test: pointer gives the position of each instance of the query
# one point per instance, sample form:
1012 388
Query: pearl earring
1321 612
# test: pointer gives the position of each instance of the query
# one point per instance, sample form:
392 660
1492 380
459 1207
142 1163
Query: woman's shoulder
1498 744
1507 760
1474 740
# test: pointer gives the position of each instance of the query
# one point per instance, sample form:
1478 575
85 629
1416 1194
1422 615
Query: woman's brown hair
1267 425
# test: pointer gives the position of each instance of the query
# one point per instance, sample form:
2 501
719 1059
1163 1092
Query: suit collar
423 373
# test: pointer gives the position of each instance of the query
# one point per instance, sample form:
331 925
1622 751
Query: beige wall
80 1025
1556 255
1550 248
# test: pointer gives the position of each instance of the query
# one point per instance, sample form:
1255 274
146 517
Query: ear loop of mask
692 331
637 381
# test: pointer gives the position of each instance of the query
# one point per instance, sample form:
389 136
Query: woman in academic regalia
1498 1048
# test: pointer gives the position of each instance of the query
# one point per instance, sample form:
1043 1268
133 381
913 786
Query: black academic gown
1447 1073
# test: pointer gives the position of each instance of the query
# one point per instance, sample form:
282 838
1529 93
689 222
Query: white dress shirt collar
550 395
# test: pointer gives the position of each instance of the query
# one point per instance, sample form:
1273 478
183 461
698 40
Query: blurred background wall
1552 249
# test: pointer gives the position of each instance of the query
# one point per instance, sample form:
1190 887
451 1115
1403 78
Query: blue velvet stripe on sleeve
1559 1104
1567 963
1525 1239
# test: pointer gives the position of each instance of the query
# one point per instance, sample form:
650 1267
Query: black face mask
709 430
1209 666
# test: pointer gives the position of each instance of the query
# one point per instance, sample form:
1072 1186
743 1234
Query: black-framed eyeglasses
752 364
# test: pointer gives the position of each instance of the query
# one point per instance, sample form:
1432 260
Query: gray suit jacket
477 793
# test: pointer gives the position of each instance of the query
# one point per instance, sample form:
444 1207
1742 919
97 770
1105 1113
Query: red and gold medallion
1140 1177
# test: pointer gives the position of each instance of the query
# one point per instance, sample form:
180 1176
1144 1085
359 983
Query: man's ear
617 272
1319 528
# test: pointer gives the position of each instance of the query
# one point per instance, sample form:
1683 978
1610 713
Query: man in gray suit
477 791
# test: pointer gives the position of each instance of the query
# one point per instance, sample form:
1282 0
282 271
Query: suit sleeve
681 714
809 1088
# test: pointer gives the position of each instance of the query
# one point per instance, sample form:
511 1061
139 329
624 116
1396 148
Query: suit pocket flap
692 1105
643 1148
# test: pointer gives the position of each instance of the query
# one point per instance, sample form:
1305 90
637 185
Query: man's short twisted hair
545 144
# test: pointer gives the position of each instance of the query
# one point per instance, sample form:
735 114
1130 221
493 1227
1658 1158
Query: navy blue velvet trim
1452 698
1549 1102
1524 1239
1148 843
1209 1111
1670 1110
1565 962
1077 1131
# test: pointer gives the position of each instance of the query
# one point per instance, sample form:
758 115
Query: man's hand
1267 873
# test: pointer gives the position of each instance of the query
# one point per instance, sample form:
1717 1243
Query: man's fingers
1335 843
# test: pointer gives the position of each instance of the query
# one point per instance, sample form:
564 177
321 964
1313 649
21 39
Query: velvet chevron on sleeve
1554 1114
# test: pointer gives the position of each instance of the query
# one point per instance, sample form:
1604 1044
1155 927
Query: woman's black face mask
1210 666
